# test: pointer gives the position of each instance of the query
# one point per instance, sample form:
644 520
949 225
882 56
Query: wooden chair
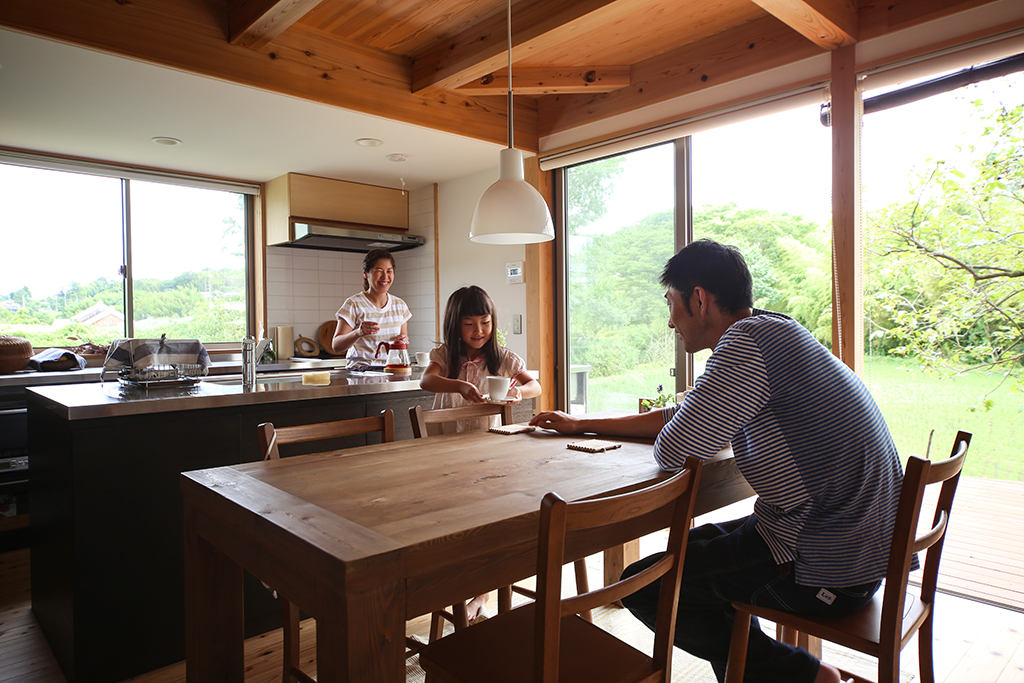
883 628
270 438
546 641
420 419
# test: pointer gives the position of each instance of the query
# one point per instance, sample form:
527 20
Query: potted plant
649 404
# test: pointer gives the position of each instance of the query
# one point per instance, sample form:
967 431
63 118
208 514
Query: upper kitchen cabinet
295 198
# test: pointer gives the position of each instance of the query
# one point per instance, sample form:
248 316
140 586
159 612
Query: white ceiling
63 99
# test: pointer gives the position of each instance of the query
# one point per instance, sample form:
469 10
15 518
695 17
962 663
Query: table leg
361 637
214 613
618 558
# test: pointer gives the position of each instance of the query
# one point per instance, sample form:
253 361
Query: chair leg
460 614
583 585
436 626
737 664
290 615
926 666
504 599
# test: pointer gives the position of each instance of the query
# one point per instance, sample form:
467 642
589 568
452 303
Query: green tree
950 290
588 187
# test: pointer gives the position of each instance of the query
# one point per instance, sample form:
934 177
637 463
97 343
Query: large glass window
762 185
90 259
621 227
944 260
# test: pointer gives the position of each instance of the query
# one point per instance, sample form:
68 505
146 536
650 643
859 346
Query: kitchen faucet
252 351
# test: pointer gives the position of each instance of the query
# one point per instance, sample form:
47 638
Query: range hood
309 235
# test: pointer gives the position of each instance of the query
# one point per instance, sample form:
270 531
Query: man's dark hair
718 268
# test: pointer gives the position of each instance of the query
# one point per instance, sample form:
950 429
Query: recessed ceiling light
397 157
369 142
169 142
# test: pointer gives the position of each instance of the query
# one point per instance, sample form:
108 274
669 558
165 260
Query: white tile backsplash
306 287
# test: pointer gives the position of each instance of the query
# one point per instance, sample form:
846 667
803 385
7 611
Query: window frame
125 174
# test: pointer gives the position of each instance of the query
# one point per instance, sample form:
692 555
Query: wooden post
847 239
539 273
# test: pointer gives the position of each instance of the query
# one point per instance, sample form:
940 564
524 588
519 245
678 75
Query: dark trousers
727 562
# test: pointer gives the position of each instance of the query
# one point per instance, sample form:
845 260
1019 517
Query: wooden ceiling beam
829 24
482 49
747 50
535 80
303 62
254 23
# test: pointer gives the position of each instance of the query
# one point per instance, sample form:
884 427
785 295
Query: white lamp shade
511 211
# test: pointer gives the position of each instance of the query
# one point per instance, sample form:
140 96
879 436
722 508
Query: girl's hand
471 393
368 327
515 394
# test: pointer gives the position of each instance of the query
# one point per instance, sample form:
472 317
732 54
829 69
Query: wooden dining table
365 538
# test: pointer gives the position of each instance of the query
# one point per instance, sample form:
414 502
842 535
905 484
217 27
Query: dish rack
161 375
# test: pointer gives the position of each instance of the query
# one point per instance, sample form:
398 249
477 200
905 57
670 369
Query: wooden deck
983 558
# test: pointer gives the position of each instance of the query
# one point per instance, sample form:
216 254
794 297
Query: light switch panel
517 324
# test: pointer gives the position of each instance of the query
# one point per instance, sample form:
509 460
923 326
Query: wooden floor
975 640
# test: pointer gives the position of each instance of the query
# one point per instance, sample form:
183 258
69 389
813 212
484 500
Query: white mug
497 387
422 358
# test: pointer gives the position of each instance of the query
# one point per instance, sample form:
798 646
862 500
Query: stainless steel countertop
94 399
33 378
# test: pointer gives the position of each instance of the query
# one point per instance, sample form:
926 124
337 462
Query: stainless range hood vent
336 238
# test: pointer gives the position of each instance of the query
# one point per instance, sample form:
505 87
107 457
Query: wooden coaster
593 445
512 429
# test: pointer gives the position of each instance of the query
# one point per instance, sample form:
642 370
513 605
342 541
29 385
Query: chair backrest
908 539
271 437
675 497
421 418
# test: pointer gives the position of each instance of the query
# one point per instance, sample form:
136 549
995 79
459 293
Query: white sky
61 228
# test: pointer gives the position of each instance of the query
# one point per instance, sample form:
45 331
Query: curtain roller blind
677 129
17 158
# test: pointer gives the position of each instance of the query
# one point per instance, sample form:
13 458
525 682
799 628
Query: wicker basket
14 354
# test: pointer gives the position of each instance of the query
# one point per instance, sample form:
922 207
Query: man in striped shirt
808 438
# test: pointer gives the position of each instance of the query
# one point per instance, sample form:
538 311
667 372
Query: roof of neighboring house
97 312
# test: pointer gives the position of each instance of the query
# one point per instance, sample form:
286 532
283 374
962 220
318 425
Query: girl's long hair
464 302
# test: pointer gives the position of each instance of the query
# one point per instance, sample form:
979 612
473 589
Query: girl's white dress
475 372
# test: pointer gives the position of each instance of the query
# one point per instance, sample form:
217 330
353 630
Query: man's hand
558 421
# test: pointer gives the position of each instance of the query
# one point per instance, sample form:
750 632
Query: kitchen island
107 527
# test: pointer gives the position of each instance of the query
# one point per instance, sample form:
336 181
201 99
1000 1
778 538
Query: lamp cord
509 105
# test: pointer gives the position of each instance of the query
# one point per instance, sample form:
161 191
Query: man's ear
702 299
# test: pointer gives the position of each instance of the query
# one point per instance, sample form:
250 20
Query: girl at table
458 370
373 315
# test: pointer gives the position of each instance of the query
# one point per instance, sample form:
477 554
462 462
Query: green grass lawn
913 401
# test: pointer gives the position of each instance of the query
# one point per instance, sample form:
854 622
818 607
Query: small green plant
648 404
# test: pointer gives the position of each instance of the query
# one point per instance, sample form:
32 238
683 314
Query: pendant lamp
511 211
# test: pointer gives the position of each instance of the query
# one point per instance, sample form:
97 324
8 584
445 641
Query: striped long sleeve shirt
808 438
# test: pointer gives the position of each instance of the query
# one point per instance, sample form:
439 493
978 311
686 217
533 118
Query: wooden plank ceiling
442 63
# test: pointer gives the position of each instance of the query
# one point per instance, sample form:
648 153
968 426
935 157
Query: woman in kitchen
371 316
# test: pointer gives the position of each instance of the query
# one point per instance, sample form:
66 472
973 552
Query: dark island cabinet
107 537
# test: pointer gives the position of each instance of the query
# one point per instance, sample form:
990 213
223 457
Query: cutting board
325 335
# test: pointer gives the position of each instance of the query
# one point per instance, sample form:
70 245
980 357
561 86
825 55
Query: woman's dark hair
464 302
370 260
718 268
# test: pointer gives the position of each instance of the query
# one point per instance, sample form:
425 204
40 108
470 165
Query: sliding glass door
764 186
944 267
620 232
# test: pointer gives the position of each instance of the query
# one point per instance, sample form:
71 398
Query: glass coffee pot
398 357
